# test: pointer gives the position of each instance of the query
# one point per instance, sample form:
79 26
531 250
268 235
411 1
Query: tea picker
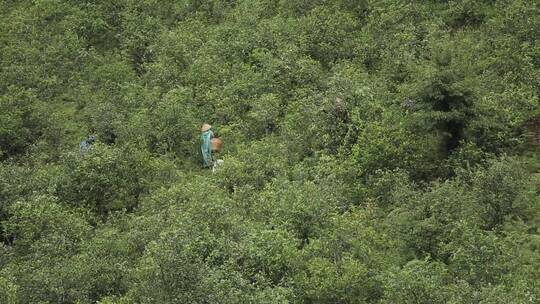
210 145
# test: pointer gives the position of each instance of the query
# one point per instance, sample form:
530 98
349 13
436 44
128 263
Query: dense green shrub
107 178
22 121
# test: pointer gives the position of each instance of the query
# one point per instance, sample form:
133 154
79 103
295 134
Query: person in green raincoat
206 145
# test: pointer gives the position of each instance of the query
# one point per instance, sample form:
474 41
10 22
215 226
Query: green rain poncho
206 148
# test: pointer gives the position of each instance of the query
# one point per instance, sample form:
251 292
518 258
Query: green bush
105 179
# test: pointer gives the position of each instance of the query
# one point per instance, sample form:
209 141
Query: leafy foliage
375 151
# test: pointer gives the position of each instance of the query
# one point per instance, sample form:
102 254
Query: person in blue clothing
206 145
86 144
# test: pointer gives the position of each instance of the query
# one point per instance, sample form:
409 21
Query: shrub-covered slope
375 151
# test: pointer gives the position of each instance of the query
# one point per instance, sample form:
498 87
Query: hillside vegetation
376 151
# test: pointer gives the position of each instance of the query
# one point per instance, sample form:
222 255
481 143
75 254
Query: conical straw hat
205 127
